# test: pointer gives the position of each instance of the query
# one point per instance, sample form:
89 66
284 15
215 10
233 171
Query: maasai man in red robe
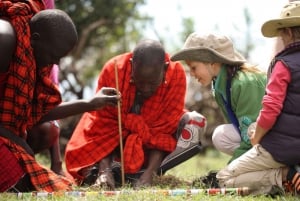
31 41
153 92
46 136
27 94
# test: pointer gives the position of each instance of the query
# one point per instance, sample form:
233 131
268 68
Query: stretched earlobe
132 71
35 36
166 66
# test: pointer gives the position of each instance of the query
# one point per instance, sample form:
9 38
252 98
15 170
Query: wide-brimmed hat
209 48
289 17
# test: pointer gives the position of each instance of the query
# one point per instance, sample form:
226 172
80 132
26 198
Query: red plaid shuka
28 94
97 135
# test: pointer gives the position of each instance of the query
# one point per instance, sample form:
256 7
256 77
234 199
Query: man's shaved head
148 53
148 66
55 22
53 35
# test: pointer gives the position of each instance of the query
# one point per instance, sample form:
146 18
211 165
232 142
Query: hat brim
206 55
270 28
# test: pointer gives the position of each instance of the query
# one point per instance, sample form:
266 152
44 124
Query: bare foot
59 172
144 181
106 180
57 168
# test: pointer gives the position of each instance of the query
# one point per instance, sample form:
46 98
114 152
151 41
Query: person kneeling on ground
153 91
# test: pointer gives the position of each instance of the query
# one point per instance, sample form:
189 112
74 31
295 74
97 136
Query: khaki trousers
255 169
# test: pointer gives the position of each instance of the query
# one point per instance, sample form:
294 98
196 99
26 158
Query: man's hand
105 96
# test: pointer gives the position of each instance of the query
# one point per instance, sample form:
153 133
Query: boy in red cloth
32 40
46 136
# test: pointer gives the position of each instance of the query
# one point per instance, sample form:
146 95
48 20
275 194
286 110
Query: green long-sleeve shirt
247 90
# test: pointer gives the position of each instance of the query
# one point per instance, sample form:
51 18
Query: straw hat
209 48
289 17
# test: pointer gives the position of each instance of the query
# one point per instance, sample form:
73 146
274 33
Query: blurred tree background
110 27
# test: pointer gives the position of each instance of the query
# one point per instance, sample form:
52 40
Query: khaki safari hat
209 48
289 17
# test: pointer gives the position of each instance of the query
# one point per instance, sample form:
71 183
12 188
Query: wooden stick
120 126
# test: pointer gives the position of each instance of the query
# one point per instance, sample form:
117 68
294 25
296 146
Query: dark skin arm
104 97
56 160
155 159
46 136
8 44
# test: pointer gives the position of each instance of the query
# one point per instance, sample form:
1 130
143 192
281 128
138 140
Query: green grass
199 165
188 171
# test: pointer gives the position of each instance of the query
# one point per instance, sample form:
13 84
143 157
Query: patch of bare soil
169 181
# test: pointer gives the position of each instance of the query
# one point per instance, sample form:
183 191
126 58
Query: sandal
90 175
